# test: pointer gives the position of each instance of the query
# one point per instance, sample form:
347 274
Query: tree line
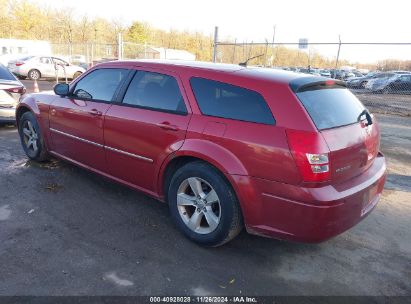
24 19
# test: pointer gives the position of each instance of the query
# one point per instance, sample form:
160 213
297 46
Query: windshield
331 108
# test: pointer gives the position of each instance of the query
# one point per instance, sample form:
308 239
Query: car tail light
19 90
19 63
311 155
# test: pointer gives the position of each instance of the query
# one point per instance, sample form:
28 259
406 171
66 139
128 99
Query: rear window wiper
367 117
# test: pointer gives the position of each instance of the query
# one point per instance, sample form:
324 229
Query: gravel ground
66 231
397 104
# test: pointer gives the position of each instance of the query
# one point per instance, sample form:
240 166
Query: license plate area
370 199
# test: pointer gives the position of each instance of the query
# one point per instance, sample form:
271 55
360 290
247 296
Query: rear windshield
331 108
26 58
5 74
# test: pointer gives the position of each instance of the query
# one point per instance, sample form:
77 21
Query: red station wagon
285 155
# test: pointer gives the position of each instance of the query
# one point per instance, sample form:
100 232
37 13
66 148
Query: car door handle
167 126
95 112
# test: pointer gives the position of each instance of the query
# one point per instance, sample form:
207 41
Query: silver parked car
36 67
11 90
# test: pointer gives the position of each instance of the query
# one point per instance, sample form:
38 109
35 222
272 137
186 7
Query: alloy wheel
198 205
30 136
34 75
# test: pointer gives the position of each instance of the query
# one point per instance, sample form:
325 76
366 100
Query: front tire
31 138
203 205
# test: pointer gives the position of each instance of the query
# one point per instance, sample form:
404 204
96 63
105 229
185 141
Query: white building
14 48
163 53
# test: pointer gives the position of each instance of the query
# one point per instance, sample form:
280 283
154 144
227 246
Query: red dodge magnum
285 155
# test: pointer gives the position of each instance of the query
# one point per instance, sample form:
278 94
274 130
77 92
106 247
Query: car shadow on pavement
398 182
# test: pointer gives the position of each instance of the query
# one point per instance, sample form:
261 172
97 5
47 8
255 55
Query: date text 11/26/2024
204 299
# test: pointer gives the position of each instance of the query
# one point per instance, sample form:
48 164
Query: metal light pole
338 56
120 47
272 62
215 44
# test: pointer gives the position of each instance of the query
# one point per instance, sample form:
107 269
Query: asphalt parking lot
66 231
44 85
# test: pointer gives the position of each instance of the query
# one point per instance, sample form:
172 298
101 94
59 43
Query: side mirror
61 89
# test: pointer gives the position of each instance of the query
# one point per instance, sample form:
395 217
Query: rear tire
31 138
34 74
386 90
203 205
76 74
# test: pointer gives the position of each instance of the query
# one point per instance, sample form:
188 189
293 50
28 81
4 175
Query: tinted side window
155 91
59 61
45 60
228 101
100 84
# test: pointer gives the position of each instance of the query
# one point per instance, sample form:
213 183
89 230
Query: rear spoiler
315 83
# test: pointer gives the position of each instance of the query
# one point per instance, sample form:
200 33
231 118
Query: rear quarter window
331 108
224 100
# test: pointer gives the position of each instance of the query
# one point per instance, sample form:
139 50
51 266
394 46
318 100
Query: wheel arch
20 111
28 104
77 72
210 153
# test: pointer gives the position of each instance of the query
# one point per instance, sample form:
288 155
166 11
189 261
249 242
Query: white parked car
11 89
36 67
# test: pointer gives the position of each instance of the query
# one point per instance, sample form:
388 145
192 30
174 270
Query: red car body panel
80 119
134 146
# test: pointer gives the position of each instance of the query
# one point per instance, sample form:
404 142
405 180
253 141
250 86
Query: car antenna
244 64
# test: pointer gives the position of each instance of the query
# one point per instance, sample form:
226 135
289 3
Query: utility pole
275 27
235 44
215 44
120 47
338 55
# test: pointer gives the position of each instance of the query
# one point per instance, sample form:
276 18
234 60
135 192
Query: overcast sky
317 20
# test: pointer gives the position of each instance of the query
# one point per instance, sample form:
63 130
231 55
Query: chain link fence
384 86
93 53
86 54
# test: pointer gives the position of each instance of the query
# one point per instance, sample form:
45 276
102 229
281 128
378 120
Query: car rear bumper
309 215
18 71
7 114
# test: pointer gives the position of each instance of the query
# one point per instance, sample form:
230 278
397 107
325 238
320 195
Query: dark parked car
360 82
377 84
11 89
343 74
337 74
399 83
285 155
